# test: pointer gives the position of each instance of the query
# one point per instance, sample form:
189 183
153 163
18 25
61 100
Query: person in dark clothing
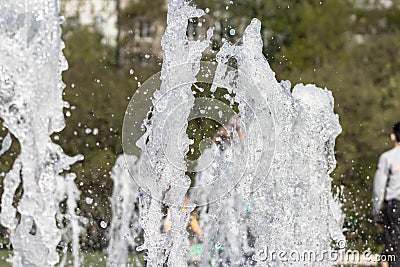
386 200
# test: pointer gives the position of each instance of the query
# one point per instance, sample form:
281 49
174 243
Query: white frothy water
124 228
31 106
293 209
279 200
274 186
165 143
72 230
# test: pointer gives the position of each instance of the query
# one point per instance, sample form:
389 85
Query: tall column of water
70 221
31 106
265 190
165 143
124 228
292 209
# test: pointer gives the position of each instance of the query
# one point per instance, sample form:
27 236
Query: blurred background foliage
351 48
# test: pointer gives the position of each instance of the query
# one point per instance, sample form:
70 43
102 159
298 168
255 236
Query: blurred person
386 200
193 223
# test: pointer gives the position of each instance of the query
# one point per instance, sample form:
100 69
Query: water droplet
89 200
103 224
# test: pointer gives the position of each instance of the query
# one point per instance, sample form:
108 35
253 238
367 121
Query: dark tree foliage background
354 50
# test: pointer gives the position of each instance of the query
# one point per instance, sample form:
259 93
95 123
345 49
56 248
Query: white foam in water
124 228
275 190
293 209
31 106
67 189
165 143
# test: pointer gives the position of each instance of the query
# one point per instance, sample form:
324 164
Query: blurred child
386 200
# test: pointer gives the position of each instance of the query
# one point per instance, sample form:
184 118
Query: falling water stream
124 228
31 107
268 190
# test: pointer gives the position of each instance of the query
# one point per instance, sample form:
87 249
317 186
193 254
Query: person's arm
379 187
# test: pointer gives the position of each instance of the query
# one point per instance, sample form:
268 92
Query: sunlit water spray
31 106
273 193
124 228
266 191
291 209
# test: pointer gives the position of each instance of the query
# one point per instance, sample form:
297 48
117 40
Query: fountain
265 194
124 228
266 191
162 162
294 203
31 106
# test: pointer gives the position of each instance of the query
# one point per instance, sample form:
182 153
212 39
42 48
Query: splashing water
31 106
275 193
124 228
274 185
67 189
292 209
165 144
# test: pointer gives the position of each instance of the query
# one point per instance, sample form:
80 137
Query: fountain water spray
163 152
124 228
291 209
262 193
70 222
31 106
